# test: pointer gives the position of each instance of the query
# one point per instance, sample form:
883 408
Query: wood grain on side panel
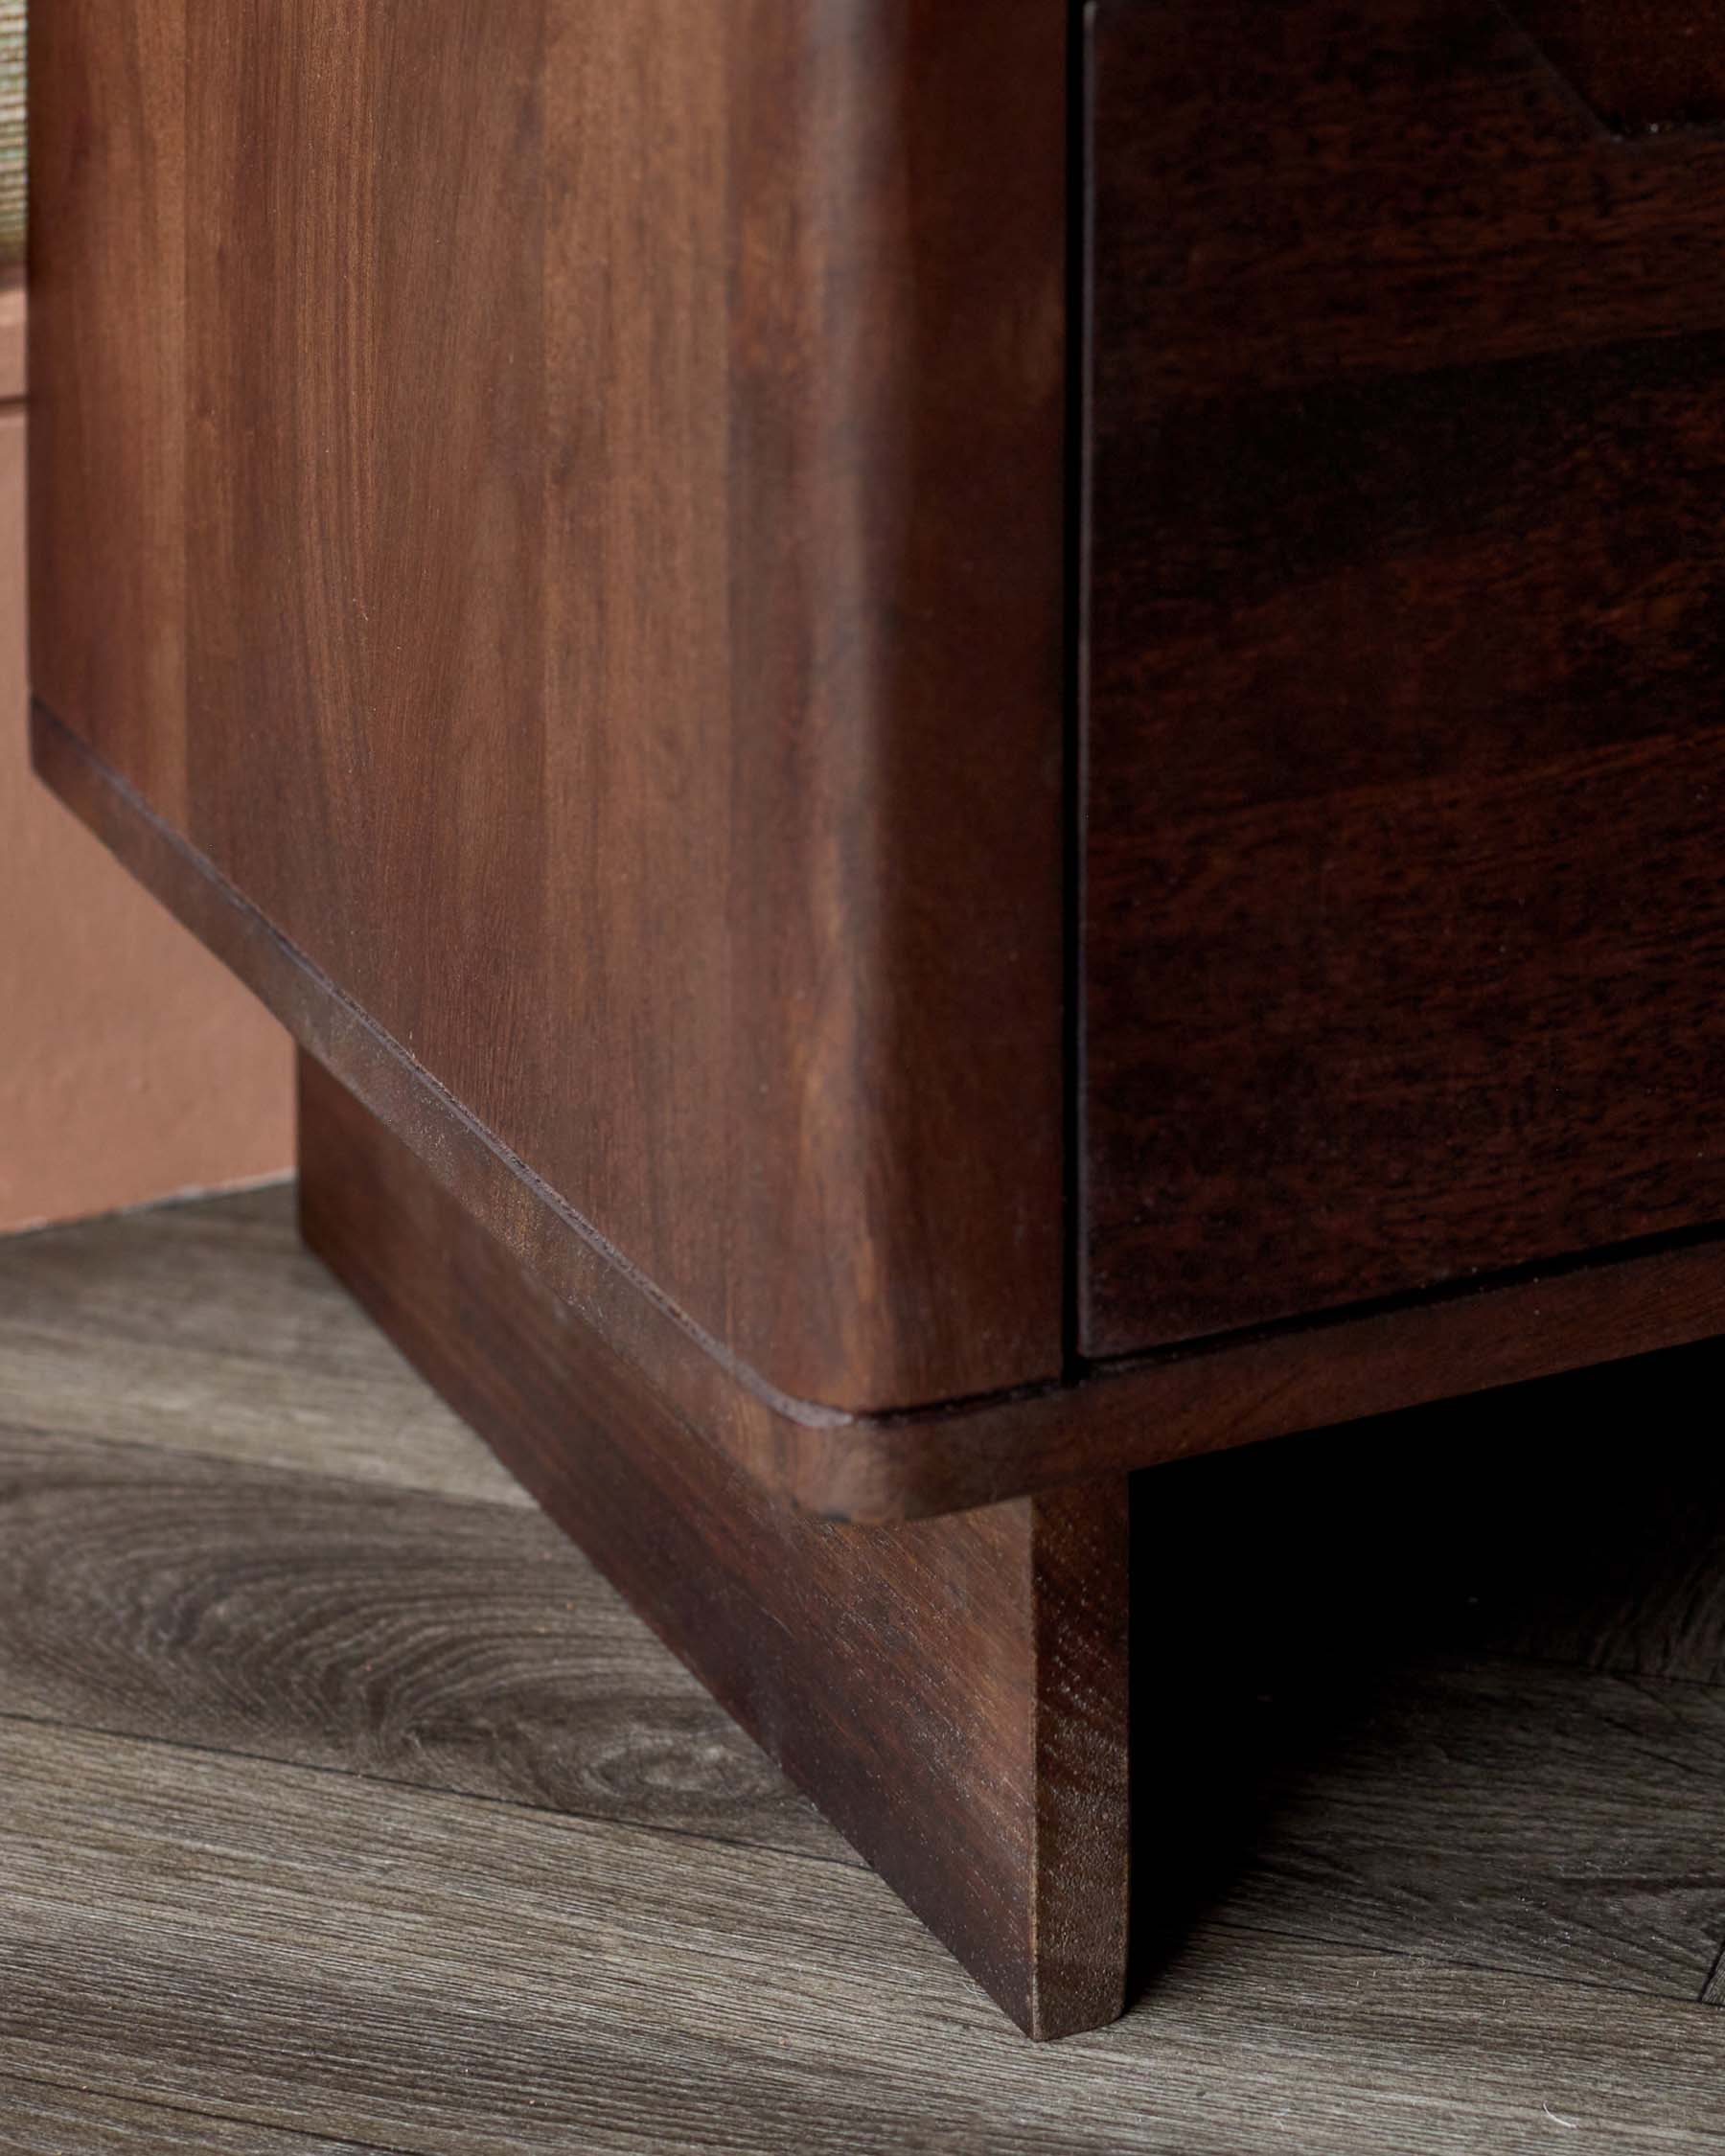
625 604
1404 929
108 408
364 303
950 1692
1127 1413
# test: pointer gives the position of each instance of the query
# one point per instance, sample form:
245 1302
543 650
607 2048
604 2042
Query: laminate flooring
343 1806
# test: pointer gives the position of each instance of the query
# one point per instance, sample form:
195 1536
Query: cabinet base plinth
950 1692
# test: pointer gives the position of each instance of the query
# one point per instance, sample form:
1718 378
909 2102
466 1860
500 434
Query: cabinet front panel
1404 916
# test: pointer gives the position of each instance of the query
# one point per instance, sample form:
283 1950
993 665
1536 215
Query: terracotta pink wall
131 1065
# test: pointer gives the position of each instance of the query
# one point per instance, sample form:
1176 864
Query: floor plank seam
1292 1935
288 2134
444 1792
1460 1964
508 1501
1645 1681
65 1336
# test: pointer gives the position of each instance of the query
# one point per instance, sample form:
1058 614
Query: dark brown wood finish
1643 66
1128 1414
580 547
1405 917
571 599
109 416
715 969
952 1692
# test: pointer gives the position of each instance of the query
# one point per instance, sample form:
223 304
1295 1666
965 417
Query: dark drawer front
1405 906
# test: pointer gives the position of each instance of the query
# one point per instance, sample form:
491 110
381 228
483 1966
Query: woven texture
11 132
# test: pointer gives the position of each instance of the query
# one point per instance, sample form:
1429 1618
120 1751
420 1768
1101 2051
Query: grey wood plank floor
343 1806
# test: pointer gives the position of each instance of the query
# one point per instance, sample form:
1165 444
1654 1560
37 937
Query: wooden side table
976 745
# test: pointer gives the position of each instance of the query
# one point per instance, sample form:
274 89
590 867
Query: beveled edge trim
1112 1418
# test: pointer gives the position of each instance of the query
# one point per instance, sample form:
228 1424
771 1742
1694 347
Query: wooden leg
952 1692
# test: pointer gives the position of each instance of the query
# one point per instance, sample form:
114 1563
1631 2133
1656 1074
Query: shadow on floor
1378 1674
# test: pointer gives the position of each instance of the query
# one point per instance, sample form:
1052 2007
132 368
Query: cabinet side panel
367 385
625 593
108 500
